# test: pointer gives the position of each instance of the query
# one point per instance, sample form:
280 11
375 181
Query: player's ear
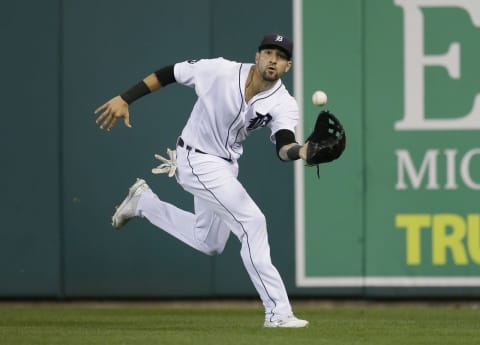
289 65
257 56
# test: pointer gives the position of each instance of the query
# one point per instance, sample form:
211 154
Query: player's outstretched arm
117 107
287 147
293 151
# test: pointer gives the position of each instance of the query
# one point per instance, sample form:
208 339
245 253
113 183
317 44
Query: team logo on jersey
259 121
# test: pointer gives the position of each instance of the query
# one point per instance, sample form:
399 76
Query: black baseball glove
327 141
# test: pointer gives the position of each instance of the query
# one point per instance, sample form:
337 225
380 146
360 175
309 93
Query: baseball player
234 99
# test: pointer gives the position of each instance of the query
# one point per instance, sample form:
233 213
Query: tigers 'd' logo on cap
279 41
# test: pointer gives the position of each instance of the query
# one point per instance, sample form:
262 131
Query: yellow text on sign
450 233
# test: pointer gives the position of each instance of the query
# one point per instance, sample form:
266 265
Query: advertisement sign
401 207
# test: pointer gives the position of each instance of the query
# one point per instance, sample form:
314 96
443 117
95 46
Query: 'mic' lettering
410 175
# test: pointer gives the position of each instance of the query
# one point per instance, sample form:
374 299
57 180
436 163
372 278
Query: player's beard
269 76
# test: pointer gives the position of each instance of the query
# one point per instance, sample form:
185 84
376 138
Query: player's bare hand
111 111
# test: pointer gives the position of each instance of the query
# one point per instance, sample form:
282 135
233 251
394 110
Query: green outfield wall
403 215
396 216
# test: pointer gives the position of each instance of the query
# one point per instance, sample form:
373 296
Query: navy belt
181 143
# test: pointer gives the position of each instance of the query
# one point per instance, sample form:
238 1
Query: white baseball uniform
207 168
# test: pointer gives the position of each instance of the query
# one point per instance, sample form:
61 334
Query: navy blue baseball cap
279 41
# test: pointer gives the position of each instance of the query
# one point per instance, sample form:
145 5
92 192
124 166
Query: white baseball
319 98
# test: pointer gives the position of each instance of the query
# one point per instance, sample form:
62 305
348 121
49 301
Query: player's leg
203 230
221 203
214 181
249 225
210 229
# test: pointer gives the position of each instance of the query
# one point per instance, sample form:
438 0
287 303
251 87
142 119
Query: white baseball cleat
286 322
127 208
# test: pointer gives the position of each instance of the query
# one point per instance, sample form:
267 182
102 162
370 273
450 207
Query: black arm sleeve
165 75
135 92
284 137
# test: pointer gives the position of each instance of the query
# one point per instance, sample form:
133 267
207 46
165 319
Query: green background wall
61 175
30 235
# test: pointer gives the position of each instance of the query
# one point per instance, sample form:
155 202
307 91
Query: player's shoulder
283 100
210 61
283 95
217 65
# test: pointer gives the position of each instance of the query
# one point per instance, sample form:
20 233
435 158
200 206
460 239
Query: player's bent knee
215 251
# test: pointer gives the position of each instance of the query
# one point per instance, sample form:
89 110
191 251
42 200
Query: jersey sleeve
191 72
286 117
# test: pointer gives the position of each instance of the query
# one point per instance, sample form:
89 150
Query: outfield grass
161 323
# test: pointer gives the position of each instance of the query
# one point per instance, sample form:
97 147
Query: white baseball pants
222 205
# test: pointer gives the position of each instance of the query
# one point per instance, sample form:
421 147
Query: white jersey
219 123
221 119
